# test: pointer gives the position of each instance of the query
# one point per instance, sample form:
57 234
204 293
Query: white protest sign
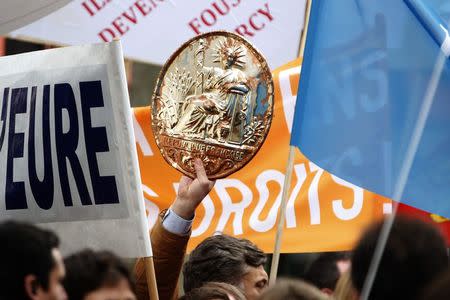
17 13
67 151
151 30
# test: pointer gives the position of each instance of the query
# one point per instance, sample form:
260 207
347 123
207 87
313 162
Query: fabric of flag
367 68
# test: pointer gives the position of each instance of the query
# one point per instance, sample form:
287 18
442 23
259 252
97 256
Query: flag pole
151 278
289 167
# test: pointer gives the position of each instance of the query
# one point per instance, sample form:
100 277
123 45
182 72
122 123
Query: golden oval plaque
214 101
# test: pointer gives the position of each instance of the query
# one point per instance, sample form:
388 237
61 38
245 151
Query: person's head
414 254
292 289
31 265
97 275
223 258
214 291
325 271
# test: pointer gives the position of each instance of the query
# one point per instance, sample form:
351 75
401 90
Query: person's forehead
255 273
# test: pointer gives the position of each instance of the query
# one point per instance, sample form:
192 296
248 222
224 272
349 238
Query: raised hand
191 192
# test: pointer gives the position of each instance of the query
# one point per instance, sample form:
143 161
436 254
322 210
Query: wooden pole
281 216
288 177
301 49
151 278
2 46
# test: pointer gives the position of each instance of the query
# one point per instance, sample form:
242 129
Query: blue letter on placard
66 144
105 188
15 191
42 190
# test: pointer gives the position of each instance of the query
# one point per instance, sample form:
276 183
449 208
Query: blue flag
368 68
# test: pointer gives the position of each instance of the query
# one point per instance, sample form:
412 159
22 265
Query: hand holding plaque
213 101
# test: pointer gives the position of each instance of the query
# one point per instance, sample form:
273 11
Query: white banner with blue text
67 152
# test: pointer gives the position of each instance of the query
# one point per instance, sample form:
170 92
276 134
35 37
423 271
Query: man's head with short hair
224 258
214 291
414 254
292 289
31 266
325 271
97 275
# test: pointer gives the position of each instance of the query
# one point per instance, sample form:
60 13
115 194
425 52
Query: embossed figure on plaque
216 110
213 100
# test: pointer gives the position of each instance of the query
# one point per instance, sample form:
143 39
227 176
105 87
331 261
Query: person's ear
31 286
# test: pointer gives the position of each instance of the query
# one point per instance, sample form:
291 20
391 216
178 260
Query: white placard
68 156
151 30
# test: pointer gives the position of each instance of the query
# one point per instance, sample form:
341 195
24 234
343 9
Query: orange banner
324 213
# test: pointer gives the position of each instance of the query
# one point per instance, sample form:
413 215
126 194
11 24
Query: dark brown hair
214 291
221 258
90 270
26 249
323 272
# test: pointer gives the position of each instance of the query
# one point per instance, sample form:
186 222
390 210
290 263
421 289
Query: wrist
183 210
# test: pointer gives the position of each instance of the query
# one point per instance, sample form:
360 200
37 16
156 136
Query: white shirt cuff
176 224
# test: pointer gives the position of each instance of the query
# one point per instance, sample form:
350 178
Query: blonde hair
344 288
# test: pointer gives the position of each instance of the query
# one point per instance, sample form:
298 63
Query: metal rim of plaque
213 100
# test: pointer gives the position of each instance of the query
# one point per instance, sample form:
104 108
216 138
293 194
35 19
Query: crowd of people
414 264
